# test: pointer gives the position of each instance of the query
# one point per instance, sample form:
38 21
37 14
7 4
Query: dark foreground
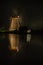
31 52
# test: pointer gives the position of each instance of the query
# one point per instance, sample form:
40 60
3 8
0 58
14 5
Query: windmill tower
15 23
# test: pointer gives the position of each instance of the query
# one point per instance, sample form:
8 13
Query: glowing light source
15 24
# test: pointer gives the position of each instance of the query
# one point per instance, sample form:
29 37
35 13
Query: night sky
31 11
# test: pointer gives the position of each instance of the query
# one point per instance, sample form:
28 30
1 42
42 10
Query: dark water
30 51
36 48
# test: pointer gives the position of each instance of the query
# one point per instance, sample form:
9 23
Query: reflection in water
14 41
28 37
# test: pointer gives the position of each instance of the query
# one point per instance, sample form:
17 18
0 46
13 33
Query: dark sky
31 11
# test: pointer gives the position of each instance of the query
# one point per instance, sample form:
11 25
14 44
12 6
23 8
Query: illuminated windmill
15 23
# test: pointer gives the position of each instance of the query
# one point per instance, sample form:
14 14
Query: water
36 48
30 47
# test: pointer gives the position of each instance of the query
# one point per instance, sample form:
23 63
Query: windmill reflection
14 42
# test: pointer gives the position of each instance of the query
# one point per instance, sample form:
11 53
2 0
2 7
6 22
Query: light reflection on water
12 45
16 41
19 41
